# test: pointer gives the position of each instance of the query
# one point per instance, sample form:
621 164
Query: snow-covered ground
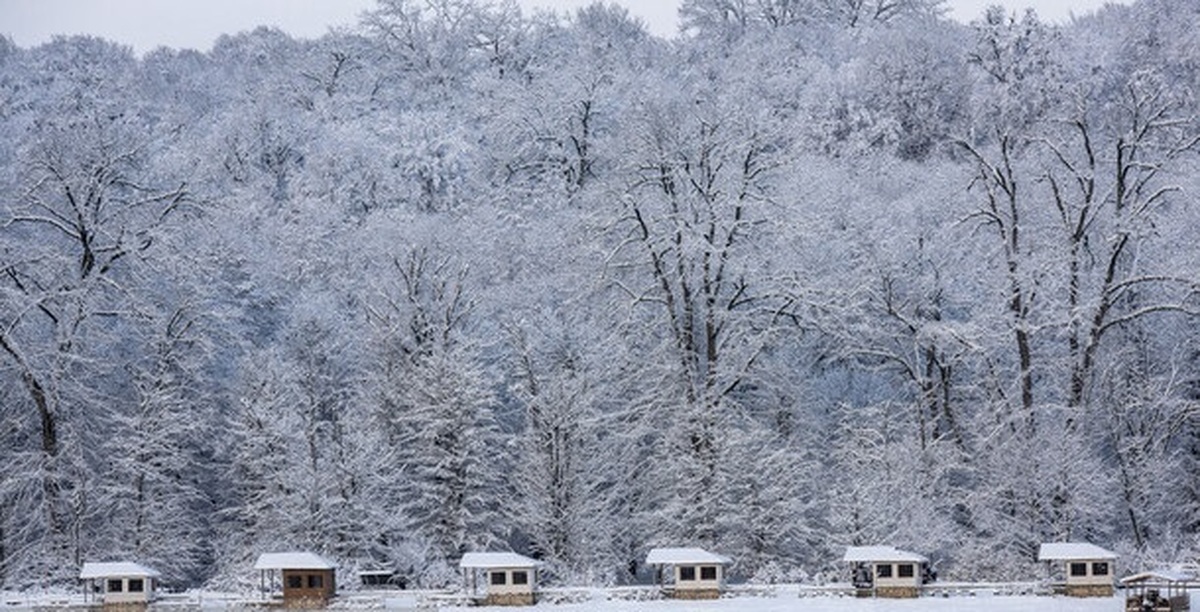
784 601
834 604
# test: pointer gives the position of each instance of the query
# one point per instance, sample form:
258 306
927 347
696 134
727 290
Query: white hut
120 583
308 579
1089 568
884 571
511 579
698 574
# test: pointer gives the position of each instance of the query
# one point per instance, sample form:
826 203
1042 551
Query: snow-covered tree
564 480
154 496
431 394
82 221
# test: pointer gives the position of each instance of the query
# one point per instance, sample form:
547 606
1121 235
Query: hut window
708 572
520 577
499 578
687 572
115 585
1100 568
1079 569
904 570
136 585
316 581
295 582
883 570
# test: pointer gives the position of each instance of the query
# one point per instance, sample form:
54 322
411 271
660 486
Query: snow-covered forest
459 278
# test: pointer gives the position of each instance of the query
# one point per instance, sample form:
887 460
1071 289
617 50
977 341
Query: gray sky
146 24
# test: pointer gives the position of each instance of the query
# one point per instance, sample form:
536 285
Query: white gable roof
292 560
116 570
1073 551
1158 576
494 560
680 556
885 554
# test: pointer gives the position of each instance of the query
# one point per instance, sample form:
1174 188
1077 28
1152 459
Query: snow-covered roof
871 554
292 560
679 556
1073 551
492 560
1158 576
116 570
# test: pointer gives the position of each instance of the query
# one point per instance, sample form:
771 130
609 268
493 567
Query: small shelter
510 579
1089 568
120 583
698 574
308 579
885 571
1157 591
382 579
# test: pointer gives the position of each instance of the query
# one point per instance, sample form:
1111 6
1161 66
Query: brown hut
308 580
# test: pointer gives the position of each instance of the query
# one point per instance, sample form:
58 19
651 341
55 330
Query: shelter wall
699 577
511 583
888 574
125 594
1089 590
697 593
897 592
510 599
309 585
1095 572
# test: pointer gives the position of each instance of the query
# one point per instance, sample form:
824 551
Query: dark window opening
1100 568
316 581
708 572
499 578
136 585
883 571
116 585
295 582
904 570
687 572
378 578
520 577
1079 569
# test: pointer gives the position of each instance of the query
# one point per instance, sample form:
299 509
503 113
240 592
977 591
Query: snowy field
785 601
833 604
